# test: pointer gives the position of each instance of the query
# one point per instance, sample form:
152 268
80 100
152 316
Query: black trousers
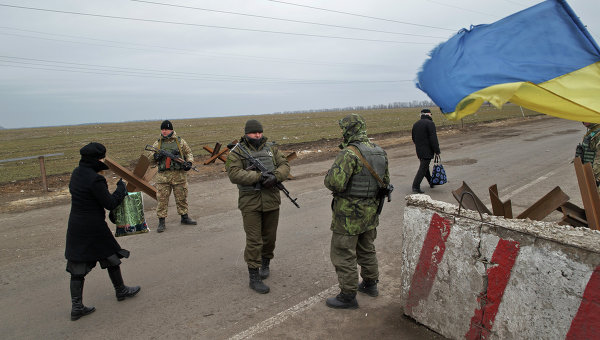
422 172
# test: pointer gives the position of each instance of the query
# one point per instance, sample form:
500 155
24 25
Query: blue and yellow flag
541 58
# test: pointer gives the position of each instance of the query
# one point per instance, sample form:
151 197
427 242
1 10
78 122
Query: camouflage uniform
590 150
174 179
260 208
354 219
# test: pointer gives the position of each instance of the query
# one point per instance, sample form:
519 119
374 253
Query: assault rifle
257 164
166 153
382 194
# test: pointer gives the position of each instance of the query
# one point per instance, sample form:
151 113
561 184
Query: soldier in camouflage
172 175
259 199
589 150
354 216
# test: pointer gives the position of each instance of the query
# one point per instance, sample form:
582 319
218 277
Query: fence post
43 170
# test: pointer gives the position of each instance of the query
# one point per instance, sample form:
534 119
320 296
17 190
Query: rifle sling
367 165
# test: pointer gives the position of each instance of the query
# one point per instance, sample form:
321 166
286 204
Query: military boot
77 308
343 301
256 282
369 287
121 290
161 225
185 219
264 268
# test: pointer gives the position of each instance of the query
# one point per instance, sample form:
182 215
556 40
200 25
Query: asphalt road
194 279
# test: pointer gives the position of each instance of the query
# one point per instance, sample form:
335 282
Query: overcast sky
124 60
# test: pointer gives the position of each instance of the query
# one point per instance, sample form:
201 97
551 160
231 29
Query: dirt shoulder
21 196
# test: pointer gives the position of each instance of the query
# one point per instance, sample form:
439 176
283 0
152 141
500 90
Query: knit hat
166 125
93 151
253 125
91 155
425 111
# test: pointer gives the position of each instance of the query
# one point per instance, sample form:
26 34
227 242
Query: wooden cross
138 180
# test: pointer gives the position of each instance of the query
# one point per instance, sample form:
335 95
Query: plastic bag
438 174
129 216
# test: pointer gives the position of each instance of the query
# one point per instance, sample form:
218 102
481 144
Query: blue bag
438 174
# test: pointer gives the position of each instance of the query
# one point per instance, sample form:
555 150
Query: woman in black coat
89 240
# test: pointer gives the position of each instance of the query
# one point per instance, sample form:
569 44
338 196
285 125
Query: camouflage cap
353 124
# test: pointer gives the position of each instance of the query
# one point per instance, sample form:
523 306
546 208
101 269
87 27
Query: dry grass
126 141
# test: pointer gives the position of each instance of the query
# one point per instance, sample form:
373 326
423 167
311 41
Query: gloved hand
187 166
158 156
111 216
121 188
268 180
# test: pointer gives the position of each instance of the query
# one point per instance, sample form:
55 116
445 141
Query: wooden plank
128 176
468 201
545 205
140 170
589 192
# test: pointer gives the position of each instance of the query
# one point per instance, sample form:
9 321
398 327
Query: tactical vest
170 145
265 156
584 151
364 184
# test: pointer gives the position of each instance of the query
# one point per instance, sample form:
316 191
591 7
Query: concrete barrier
486 277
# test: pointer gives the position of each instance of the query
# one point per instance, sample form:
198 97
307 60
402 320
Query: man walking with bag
426 143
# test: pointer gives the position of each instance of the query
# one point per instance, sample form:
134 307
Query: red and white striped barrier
496 278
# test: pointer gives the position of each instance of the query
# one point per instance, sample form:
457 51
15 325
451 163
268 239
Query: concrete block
465 276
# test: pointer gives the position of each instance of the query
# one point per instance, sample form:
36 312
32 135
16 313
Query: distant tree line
394 105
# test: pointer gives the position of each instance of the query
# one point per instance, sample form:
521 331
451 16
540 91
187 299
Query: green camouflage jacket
351 215
595 146
177 176
259 200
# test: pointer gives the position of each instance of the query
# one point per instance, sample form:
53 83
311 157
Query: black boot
343 301
264 268
121 290
77 308
161 225
185 219
369 287
256 282
417 191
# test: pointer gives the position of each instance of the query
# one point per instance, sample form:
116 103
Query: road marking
282 316
527 186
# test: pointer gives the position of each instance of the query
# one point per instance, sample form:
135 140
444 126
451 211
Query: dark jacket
88 236
266 199
425 138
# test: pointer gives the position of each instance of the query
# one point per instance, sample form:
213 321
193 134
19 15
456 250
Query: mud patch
502 134
461 161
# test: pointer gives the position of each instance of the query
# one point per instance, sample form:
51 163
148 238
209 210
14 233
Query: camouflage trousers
165 183
349 250
261 234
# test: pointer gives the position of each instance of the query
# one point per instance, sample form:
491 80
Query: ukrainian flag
541 58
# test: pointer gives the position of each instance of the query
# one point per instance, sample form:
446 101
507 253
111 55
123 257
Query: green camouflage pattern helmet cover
354 129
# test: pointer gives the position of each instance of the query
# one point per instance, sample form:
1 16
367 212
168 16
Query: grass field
126 141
